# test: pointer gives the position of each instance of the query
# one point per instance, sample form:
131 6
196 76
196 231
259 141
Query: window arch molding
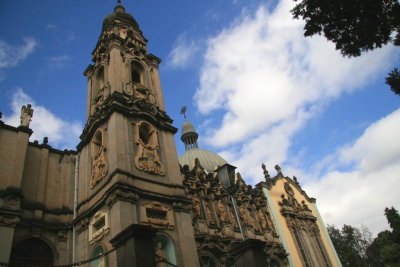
98 249
99 81
207 259
49 254
137 72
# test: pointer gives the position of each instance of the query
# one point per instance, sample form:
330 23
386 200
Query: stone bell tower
130 187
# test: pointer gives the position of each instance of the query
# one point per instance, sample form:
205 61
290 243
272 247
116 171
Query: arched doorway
32 252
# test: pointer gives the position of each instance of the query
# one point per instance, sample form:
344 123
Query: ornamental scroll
147 156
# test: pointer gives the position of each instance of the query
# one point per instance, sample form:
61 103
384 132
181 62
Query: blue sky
256 90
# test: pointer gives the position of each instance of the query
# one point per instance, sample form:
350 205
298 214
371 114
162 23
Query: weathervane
183 111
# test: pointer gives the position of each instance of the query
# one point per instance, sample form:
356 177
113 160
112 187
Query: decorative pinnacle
119 2
183 111
266 174
278 169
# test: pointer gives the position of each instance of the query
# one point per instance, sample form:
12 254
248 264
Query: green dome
119 13
209 160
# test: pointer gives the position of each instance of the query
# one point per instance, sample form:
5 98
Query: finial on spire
119 2
183 111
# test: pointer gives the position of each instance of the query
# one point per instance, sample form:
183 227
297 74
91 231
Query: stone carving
147 158
101 96
233 218
99 162
262 219
99 167
9 221
209 215
157 215
221 211
160 256
139 92
196 207
82 225
26 115
252 223
121 195
99 227
242 215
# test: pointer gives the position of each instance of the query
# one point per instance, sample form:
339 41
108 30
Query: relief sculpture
99 162
147 158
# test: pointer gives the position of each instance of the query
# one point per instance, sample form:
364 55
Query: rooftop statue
26 115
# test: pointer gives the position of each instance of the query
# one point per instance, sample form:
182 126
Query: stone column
6 239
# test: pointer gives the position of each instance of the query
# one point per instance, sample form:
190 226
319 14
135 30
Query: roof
209 160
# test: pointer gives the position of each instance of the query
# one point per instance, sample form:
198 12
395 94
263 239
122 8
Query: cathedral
125 198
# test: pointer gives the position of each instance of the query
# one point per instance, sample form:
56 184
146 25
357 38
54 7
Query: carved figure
261 219
221 211
253 223
196 207
209 216
99 167
26 115
242 215
147 158
233 218
160 256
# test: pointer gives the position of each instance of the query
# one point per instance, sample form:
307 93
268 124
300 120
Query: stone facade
122 199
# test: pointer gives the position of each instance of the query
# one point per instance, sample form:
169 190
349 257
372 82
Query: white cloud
182 53
10 55
262 71
268 80
359 196
58 62
61 133
51 26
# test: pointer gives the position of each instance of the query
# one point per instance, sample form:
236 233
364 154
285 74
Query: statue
147 158
242 215
161 256
262 219
221 211
26 115
196 207
233 218
209 216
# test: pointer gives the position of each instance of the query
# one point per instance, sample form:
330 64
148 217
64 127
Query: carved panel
99 226
99 160
147 153
157 215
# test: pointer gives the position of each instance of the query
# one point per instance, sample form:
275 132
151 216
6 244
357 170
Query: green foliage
350 244
393 80
354 246
354 26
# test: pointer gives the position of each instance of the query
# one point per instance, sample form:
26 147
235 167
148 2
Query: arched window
166 244
98 82
136 72
32 252
274 263
301 247
321 250
98 250
207 261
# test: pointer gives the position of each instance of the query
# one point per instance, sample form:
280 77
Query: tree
351 244
354 26
385 249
